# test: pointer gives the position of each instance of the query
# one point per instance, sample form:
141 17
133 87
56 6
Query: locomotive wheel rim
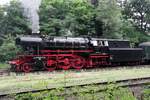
27 68
78 62
50 68
66 64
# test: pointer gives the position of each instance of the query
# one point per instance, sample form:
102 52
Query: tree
8 49
122 3
80 17
131 33
13 20
1 17
138 12
61 17
108 15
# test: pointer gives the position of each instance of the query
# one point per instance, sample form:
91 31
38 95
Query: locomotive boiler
51 52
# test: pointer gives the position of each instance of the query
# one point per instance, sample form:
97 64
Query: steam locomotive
51 53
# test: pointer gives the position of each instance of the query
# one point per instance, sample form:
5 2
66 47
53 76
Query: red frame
64 59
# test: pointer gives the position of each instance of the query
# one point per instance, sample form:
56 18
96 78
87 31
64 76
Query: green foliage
105 18
8 49
4 65
146 93
65 17
12 19
27 96
79 17
14 22
112 92
109 13
129 32
138 12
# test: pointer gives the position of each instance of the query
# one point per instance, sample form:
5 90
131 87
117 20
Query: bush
90 92
146 93
8 49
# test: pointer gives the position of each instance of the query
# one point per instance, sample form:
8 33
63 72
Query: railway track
4 72
121 83
79 78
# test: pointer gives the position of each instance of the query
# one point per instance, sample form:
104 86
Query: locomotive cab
100 45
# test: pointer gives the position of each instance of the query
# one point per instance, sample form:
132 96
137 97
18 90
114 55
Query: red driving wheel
78 62
50 65
64 63
27 67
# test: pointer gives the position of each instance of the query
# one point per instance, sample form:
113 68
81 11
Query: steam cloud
31 10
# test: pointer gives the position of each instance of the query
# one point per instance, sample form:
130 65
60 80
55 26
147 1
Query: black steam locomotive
50 53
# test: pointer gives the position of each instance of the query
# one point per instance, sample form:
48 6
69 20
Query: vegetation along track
136 82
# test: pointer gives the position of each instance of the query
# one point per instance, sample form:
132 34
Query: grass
22 82
4 65
112 92
146 93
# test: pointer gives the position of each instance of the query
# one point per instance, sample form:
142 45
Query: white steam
31 10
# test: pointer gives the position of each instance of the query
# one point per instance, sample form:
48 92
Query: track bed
22 82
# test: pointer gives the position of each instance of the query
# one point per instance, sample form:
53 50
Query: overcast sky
4 2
